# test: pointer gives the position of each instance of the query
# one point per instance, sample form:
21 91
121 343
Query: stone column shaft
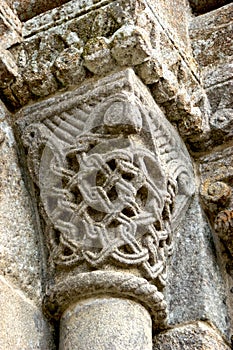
106 323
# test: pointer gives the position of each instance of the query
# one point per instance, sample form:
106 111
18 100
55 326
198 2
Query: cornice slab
109 37
27 9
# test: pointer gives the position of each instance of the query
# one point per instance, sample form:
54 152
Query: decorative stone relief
72 43
114 180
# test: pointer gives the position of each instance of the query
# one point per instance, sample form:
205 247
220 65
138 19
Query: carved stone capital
114 180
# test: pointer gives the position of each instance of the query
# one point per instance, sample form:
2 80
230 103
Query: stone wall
23 325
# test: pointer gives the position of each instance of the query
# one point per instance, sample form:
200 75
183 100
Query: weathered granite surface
106 323
27 9
196 288
194 336
22 323
20 259
10 27
217 197
211 36
207 33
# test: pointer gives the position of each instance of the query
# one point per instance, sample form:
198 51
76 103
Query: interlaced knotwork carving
114 181
107 198
114 207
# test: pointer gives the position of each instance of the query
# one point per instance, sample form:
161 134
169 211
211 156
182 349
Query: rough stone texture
8 68
211 36
22 324
68 45
217 195
20 259
207 33
174 18
27 9
196 289
106 323
216 176
64 14
203 6
196 336
10 27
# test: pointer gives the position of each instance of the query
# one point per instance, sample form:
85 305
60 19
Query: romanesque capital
113 180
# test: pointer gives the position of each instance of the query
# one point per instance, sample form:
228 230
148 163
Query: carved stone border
125 285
